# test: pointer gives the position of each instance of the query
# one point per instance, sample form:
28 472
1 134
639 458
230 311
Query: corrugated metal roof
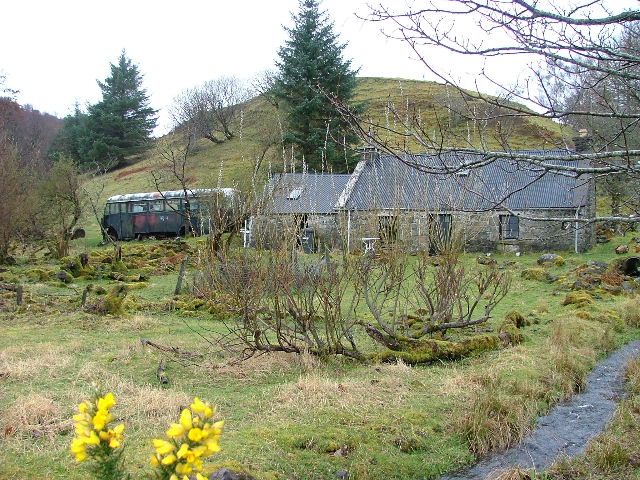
196 192
318 192
387 183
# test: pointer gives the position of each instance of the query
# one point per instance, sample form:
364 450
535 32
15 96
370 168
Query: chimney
583 142
368 152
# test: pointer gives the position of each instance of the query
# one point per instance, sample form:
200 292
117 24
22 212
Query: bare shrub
280 302
412 298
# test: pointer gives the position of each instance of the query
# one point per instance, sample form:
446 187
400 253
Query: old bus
162 214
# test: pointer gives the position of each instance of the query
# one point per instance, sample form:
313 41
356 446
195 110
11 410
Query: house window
509 227
294 194
388 229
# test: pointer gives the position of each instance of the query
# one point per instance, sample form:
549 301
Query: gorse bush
178 457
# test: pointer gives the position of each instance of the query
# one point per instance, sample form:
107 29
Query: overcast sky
54 51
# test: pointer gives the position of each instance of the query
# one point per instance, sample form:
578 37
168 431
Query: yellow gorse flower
92 434
192 439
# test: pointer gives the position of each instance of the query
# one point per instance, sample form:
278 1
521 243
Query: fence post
183 265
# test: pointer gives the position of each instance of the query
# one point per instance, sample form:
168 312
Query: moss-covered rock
579 299
509 334
111 303
39 275
430 350
516 318
538 274
583 314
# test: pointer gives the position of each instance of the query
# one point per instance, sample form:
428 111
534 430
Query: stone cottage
423 200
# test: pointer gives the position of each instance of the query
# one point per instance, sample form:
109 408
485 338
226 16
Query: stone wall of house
474 231
269 231
414 230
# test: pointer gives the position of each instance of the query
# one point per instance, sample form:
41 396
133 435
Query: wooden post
183 266
162 377
84 295
19 295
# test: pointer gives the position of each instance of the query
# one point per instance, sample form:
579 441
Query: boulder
622 249
550 258
228 474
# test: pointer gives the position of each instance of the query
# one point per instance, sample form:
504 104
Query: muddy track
569 426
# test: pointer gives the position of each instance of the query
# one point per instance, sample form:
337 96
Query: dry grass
515 473
34 416
27 363
390 386
141 401
264 365
136 322
630 312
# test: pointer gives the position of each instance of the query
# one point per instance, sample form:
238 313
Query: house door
439 232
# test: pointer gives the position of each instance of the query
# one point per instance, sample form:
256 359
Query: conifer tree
117 126
310 68
120 124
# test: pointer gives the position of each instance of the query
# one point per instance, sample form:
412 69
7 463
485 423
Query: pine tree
310 68
120 124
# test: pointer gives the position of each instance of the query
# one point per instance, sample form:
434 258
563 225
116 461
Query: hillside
386 102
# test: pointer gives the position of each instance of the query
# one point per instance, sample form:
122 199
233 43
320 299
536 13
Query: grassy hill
388 103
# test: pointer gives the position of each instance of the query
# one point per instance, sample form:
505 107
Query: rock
579 299
549 258
622 249
539 274
342 474
228 474
64 276
486 261
582 284
628 287
596 266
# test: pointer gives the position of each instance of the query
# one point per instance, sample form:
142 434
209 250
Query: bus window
156 206
138 207
173 205
112 209
194 205
123 208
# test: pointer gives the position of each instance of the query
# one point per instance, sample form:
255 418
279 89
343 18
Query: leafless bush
279 302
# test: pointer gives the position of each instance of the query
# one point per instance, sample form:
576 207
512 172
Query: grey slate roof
319 192
385 182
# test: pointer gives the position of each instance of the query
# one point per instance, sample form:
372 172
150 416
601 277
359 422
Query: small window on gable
509 227
463 173
294 194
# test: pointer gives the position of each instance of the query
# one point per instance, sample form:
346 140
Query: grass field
287 416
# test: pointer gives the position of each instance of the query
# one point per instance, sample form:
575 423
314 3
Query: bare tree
62 203
210 110
557 43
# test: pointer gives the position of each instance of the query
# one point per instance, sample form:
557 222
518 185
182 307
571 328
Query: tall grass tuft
630 311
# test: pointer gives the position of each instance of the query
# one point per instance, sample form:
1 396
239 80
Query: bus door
139 213
126 223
